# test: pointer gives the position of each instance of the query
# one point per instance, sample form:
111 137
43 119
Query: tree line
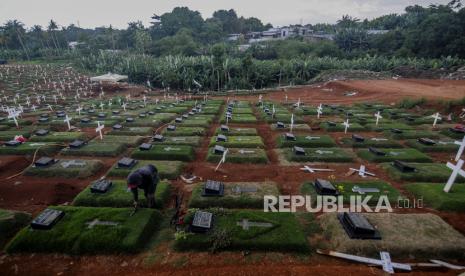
434 31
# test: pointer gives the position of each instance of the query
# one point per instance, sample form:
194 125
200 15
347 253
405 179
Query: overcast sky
94 13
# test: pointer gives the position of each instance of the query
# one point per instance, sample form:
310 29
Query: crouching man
145 178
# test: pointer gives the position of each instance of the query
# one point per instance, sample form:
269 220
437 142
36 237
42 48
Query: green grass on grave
184 131
166 169
377 142
119 197
72 235
412 134
233 198
135 131
320 155
176 140
96 149
407 155
309 141
434 197
239 142
449 146
29 148
354 127
64 137
345 190
425 172
286 234
238 131
240 155
166 152
128 141
59 169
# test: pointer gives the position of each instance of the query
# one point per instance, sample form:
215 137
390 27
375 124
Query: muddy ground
34 194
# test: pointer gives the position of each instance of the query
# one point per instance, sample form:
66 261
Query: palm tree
13 30
39 34
52 26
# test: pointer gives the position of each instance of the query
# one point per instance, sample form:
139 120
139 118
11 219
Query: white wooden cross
456 170
124 106
462 147
99 129
79 109
50 107
145 101
298 103
13 114
33 107
436 117
55 98
292 122
101 105
68 121
274 111
313 170
319 111
347 125
362 171
286 98
378 116
223 159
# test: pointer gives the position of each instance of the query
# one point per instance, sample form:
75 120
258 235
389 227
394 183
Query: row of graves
164 133
399 142
229 215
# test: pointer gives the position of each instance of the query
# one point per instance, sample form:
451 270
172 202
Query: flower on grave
340 188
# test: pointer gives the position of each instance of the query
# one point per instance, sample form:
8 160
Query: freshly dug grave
418 236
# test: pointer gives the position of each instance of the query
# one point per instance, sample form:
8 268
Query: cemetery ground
287 242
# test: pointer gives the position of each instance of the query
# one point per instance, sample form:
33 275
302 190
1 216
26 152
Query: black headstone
145 146
43 120
47 219
178 120
129 120
85 120
331 124
151 113
358 227
100 186
358 138
126 163
117 127
396 130
219 149
280 125
299 150
221 138
202 222
12 143
224 128
324 187
427 141
403 167
76 144
290 137
101 115
41 132
171 128
142 115
185 116
213 188
44 162
115 112
376 151
158 138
